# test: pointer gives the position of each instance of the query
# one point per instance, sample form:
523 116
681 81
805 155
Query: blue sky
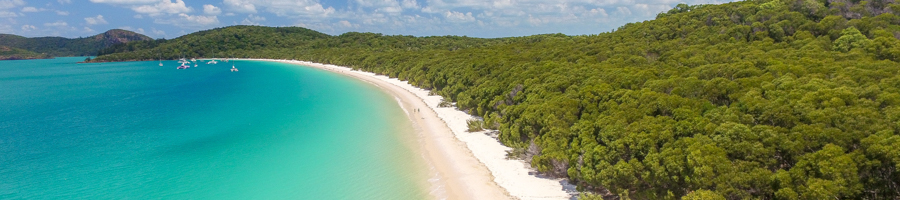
474 18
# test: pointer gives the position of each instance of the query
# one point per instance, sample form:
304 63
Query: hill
9 53
59 46
247 41
763 99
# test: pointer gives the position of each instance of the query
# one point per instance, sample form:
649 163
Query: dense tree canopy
760 99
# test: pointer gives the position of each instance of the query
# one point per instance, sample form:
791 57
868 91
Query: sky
473 18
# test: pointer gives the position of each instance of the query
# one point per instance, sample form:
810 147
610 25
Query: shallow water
136 130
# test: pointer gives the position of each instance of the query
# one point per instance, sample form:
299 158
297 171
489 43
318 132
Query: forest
757 99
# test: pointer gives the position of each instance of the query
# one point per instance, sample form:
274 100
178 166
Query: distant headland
14 47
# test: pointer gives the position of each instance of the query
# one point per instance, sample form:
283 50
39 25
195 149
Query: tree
850 39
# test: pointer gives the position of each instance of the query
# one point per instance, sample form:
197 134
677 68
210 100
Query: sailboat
182 60
183 66
212 60
160 60
184 63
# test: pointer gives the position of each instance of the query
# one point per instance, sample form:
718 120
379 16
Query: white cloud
410 4
6 28
390 9
599 12
125 1
89 30
387 6
429 10
290 8
211 10
189 21
62 13
57 24
253 20
623 10
158 32
651 9
64 1
248 22
458 17
31 9
377 3
243 6
95 20
27 27
201 20
164 6
256 18
129 28
534 21
346 23
7 4
4 14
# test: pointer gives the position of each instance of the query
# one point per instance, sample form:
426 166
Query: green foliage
475 125
445 103
744 100
851 38
776 5
703 195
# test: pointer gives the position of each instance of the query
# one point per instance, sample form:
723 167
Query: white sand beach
465 165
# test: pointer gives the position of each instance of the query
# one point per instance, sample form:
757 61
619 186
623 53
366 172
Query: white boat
232 67
193 60
211 62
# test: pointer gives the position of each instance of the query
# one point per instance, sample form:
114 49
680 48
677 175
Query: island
14 47
9 53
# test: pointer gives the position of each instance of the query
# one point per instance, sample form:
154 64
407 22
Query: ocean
135 130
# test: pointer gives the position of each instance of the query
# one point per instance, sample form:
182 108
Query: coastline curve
465 165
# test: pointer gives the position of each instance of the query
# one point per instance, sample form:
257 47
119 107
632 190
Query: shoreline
464 165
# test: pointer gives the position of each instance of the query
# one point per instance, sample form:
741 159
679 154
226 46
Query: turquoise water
134 130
